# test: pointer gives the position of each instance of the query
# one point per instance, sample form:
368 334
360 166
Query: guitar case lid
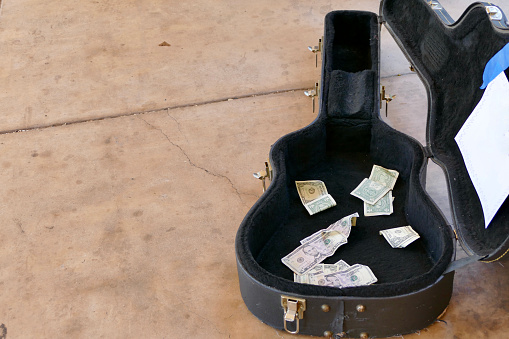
450 58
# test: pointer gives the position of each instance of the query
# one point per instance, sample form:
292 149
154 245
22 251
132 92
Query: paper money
400 237
381 207
310 190
342 265
313 252
314 196
298 278
320 204
356 275
303 278
370 191
384 176
343 226
317 277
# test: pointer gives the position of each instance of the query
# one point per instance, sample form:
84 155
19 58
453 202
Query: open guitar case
340 147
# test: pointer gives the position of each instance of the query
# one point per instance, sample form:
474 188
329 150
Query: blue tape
496 65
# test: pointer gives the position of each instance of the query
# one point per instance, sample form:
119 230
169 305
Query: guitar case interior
340 147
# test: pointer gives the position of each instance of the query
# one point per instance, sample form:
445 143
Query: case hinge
293 311
457 264
427 152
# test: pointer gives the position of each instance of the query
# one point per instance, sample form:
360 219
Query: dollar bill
300 278
343 226
303 278
320 204
308 255
370 191
381 207
384 176
356 275
310 190
317 277
342 265
400 237
314 196
313 275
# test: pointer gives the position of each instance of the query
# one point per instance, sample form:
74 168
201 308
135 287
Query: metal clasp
386 98
312 93
316 50
435 4
264 174
294 311
494 12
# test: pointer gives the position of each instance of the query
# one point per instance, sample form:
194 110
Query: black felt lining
351 94
452 59
275 225
340 148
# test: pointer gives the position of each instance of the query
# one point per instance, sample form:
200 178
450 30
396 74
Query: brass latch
316 50
386 98
264 174
294 311
313 93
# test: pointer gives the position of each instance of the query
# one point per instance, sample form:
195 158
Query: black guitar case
340 147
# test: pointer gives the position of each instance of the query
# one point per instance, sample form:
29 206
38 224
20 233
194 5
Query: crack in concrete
178 123
191 162
129 114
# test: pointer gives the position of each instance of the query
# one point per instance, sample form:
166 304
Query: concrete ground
128 137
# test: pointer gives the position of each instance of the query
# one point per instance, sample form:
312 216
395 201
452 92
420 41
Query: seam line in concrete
398 75
80 121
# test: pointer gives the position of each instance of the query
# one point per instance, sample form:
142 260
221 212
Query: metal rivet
325 308
341 335
327 334
364 335
360 308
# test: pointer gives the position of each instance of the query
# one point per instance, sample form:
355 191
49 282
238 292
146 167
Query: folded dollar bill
303 278
384 176
313 252
314 196
376 191
343 226
382 206
400 237
370 191
315 275
355 275
342 265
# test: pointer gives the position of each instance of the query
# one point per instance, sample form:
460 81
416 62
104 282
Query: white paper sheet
484 144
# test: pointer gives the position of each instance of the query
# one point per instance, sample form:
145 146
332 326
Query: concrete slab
75 61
